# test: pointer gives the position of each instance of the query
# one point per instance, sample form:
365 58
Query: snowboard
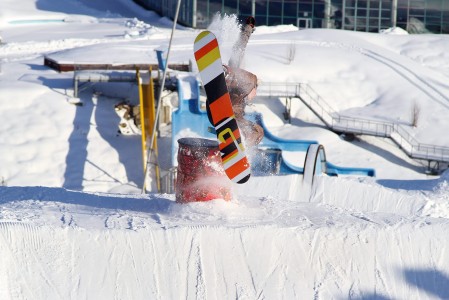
233 156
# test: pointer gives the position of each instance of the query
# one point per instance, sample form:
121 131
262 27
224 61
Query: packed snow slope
73 223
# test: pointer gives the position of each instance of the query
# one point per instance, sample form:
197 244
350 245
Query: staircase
433 154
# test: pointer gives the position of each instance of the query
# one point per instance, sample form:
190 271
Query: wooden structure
70 67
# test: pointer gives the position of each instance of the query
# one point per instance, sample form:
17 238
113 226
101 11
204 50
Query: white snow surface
74 225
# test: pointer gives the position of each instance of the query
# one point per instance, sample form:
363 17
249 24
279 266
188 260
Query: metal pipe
161 89
194 12
327 13
394 12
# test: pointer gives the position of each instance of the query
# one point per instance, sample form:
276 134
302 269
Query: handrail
347 124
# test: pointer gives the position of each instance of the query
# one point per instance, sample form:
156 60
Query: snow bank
394 30
210 262
351 194
75 245
274 29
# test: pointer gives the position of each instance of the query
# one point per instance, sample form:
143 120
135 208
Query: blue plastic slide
190 119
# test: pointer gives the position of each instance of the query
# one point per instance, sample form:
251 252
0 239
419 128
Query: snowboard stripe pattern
207 55
222 111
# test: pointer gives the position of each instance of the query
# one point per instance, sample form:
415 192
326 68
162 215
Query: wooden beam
69 67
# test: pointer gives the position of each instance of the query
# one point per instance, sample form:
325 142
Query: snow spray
227 30
201 176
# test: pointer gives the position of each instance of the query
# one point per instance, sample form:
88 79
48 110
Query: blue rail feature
191 120
271 141
336 170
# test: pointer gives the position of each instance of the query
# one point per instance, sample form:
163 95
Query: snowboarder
242 87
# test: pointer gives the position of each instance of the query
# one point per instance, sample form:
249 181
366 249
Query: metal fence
346 124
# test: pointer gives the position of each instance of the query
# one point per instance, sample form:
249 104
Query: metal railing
168 181
409 144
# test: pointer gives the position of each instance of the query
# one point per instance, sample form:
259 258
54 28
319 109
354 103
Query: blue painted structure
160 59
190 116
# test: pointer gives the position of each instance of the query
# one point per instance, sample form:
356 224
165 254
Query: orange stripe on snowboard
206 49
221 108
237 168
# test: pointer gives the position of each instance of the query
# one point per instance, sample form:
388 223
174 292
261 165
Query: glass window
290 9
434 4
403 4
318 10
433 21
272 21
230 4
214 7
290 21
374 4
362 4
361 12
374 13
402 15
418 3
385 24
245 7
445 28
229 7
435 28
261 7
385 14
305 9
433 13
416 12
365 15
275 8
360 24
386 3
350 3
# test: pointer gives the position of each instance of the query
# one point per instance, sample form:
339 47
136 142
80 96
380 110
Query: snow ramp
370 243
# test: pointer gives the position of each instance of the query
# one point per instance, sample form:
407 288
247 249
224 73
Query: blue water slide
191 120
334 170
271 141
274 142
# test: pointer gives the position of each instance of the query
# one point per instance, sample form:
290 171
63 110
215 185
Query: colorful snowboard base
208 58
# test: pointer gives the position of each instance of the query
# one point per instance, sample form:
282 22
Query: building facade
415 16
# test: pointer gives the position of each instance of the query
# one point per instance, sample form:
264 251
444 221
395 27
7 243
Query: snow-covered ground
73 223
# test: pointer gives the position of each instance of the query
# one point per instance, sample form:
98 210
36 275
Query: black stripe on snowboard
216 88
230 123
244 179
228 150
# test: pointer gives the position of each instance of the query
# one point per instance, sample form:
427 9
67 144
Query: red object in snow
200 174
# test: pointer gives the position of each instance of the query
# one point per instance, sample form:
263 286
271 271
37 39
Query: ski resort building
415 16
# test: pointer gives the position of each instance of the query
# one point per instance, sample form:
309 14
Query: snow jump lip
35 21
191 119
